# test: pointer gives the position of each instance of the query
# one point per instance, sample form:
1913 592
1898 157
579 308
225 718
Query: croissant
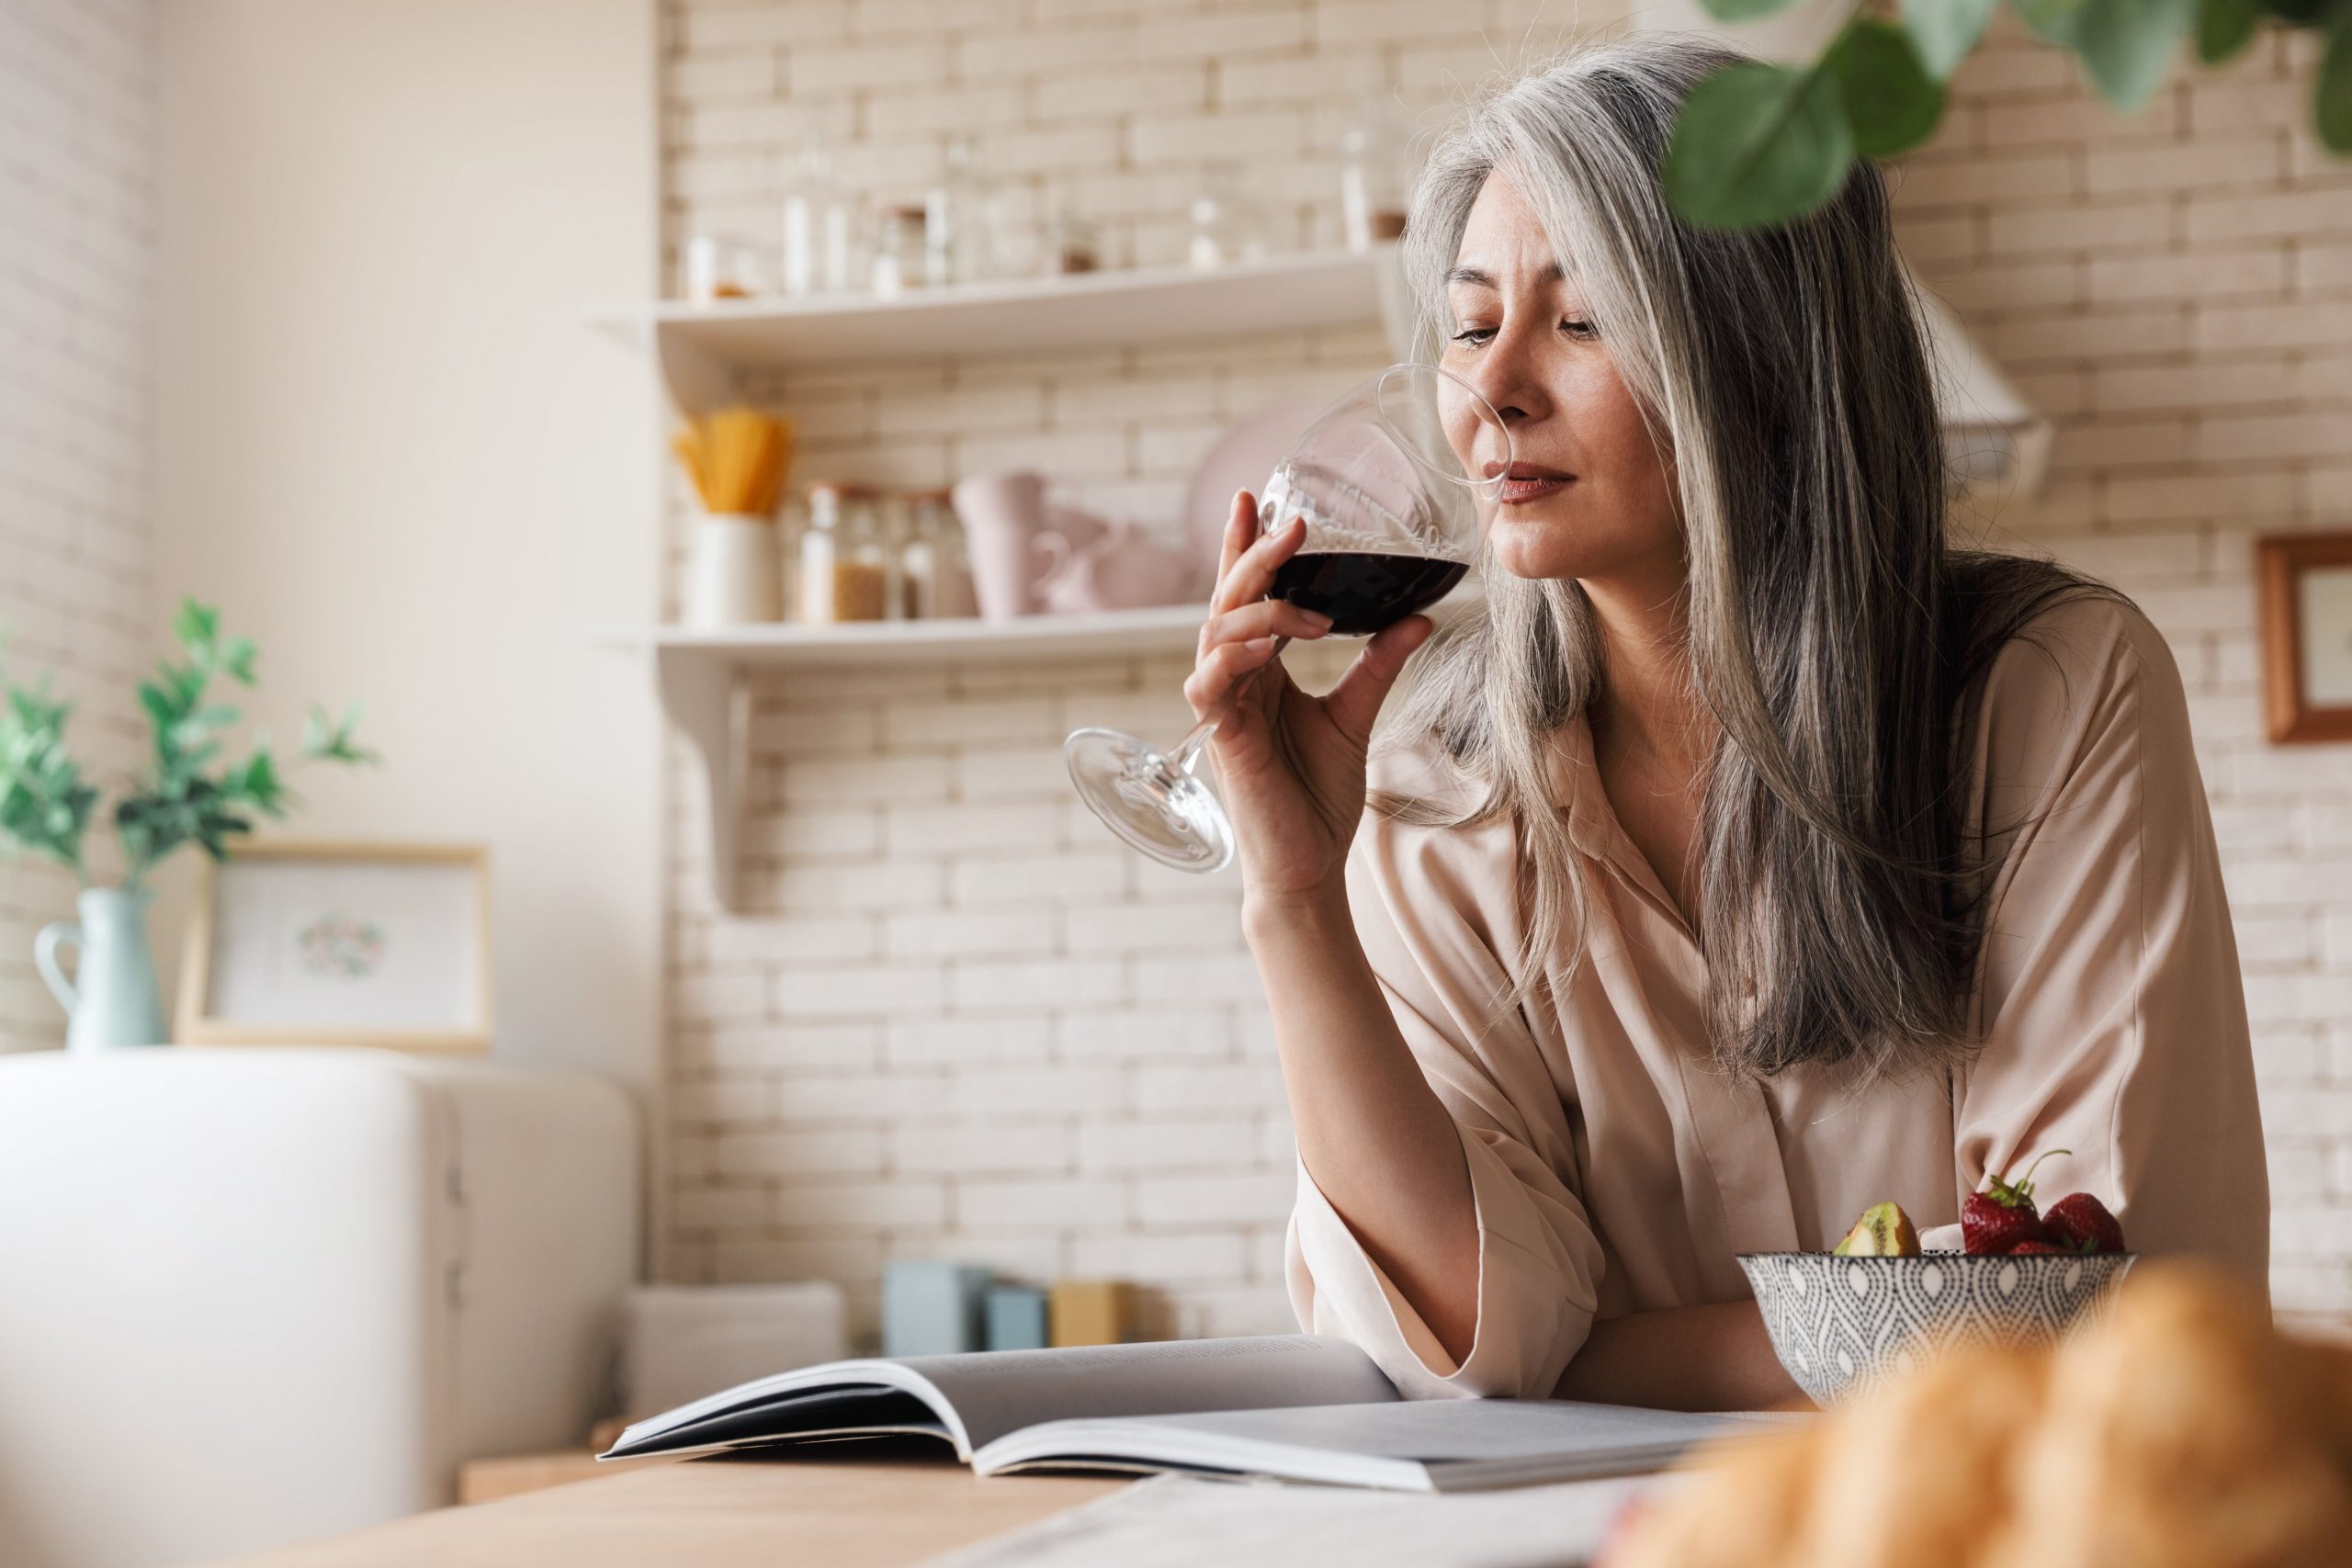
2181 1432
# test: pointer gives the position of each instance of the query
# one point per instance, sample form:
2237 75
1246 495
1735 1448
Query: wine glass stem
1188 750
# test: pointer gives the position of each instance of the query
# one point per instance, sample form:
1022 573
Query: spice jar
901 254
935 564
843 576
871 531
1372 178
717 267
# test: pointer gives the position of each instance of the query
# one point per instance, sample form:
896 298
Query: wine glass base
1168 814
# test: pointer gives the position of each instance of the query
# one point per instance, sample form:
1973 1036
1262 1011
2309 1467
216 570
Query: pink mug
1002 515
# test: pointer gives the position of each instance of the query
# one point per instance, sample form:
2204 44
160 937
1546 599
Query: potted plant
185 796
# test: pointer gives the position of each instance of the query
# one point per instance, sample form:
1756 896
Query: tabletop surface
879 1512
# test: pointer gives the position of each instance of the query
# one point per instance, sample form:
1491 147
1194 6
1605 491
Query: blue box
931 1308
1017 1318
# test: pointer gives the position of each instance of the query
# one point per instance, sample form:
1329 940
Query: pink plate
1243 458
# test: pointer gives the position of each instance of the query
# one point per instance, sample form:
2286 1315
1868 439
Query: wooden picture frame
2306 587
273 958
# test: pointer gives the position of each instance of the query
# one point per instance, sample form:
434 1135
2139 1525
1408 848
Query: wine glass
1394 520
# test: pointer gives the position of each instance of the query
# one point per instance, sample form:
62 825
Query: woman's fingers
1262 618
1213 679
1253 571
1355 701
1240 527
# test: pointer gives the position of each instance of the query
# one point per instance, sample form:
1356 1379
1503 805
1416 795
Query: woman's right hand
1290 766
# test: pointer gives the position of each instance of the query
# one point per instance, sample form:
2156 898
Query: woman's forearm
1701 1357
1371 1131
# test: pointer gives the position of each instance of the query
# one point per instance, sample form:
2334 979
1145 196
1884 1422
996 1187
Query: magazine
1295 1408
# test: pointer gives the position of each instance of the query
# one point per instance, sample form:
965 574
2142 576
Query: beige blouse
1617 1170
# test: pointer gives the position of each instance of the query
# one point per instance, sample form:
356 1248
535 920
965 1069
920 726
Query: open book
1297 1407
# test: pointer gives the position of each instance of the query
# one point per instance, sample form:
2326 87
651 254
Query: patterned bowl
1839 1324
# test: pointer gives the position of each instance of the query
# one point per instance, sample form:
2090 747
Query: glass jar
844 574
1072 243
817 224
719 267
901 253
935 566
1227 225
952 251
1372 178
791 530
869 566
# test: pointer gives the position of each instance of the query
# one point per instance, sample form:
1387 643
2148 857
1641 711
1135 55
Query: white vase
736 572
112 1000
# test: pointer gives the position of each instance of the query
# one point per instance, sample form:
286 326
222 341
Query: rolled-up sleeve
2114 1021
1539 1262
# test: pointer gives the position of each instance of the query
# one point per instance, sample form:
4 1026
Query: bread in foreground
2183 1431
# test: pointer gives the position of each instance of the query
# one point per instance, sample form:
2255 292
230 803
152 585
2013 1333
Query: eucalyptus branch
184 794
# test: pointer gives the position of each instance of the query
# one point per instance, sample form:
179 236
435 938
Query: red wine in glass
1364 590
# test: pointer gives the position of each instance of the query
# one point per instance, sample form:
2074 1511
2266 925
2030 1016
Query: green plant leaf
2128 45
2225 27
45 806
2054 19
1946 32
329 742
2300 13
1745 10
1756 144
196 625
1891 104
2332 95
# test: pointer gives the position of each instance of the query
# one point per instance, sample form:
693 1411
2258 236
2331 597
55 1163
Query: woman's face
1525 342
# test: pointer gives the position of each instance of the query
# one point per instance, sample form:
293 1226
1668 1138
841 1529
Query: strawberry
2002 1216
2080 1223
2037 1249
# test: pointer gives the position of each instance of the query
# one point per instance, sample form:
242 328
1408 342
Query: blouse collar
1592 822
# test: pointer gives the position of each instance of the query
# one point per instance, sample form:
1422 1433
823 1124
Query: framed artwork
340 944
2307 634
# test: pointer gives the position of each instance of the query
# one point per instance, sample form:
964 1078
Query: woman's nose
1509 376
1509 383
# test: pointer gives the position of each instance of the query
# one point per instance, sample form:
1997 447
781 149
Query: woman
1756 857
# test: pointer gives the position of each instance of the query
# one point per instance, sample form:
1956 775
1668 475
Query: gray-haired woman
1758 856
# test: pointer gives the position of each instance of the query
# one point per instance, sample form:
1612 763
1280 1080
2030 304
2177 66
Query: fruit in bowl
1842 1321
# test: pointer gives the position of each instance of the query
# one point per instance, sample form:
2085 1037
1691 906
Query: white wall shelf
704 352
704 349
700 677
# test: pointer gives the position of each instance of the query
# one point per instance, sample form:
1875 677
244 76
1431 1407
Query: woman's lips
1516 492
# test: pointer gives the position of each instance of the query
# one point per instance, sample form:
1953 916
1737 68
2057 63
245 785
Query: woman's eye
1574 326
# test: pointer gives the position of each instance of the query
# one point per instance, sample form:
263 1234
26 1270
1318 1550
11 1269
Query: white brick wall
961 1021
2169 289
76 78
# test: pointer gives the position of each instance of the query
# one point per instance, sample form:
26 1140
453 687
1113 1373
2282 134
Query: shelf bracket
697 382
703 698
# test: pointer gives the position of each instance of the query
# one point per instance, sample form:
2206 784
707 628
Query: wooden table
878 1511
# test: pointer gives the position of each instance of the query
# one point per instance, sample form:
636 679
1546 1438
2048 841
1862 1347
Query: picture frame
2306 618
340 943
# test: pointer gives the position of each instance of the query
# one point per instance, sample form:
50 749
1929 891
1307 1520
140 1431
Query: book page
1175 1522
996 1392
1417 1444
979 1396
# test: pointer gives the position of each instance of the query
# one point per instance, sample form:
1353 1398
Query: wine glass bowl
1390 482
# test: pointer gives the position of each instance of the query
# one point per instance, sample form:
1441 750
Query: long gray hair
1833 630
